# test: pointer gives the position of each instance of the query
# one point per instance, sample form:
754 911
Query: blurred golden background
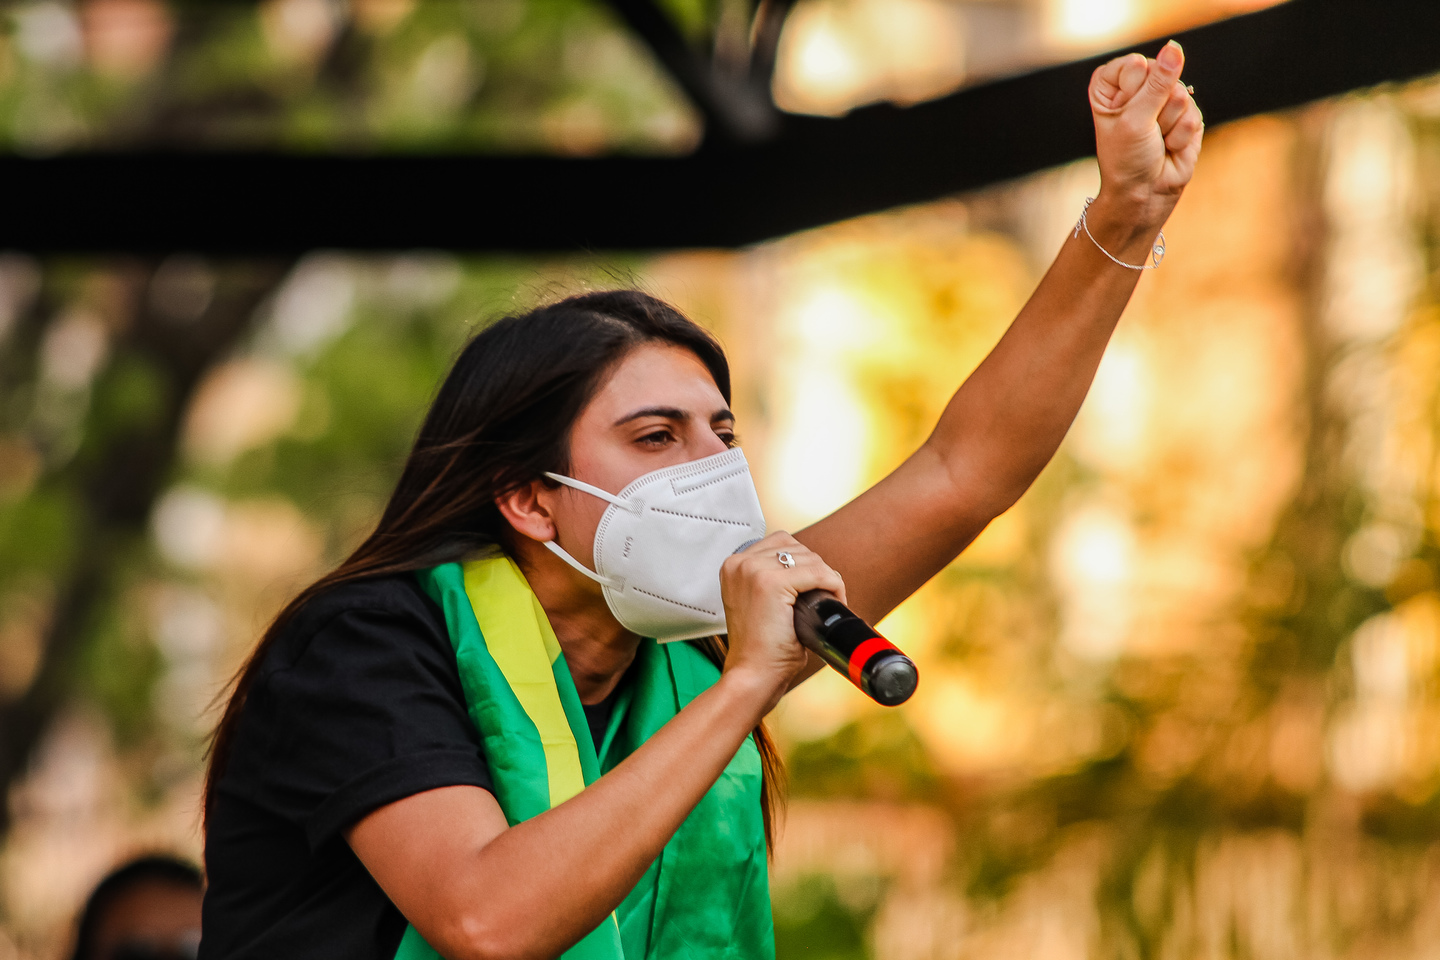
1182 701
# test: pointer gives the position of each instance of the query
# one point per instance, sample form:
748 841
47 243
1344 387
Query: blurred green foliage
442 75
814 922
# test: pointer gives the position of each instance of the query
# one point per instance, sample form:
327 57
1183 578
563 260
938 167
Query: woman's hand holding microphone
759 591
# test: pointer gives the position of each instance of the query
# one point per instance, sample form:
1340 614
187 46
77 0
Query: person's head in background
147 909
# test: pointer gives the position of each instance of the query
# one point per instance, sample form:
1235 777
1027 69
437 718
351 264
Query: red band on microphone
864 652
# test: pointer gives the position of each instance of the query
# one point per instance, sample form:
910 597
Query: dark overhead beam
816 171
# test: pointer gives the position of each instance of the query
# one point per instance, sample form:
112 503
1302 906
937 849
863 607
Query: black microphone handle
854 648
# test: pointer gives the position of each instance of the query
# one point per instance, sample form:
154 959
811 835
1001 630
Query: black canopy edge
816 171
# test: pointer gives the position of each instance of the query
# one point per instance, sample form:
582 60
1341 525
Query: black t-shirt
358 704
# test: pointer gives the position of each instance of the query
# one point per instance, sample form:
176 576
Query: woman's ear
525 510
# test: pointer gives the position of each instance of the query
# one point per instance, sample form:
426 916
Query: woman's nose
710 443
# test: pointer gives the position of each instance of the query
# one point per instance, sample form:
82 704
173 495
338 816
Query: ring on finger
786 560
1190 89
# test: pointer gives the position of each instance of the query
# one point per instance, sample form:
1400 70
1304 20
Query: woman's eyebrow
669 413
672 413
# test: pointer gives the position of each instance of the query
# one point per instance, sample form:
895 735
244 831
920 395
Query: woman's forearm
535 889
478 889
998 431
996 434
1007 419
572 866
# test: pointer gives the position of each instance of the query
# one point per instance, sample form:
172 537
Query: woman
466 741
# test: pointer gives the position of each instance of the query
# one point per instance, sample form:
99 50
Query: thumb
1164 71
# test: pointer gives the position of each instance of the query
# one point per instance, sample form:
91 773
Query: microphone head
893 681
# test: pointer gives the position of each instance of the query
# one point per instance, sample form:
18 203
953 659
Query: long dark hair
501 419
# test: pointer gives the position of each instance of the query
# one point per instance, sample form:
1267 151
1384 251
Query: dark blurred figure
148 909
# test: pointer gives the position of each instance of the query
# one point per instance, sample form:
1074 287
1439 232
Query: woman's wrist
1124 227
750 692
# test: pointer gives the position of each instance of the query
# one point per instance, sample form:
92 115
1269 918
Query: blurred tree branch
734 97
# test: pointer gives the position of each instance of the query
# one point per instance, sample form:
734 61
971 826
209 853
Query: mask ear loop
556 549
608 497
594 491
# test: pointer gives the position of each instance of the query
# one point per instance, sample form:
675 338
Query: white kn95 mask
662 540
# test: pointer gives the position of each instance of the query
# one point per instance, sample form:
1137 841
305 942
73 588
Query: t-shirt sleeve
368 711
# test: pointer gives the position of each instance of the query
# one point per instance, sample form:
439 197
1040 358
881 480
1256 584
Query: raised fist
1147 133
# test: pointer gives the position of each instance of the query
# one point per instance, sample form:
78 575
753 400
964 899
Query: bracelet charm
1157 252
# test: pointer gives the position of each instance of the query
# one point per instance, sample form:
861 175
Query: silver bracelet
1157 252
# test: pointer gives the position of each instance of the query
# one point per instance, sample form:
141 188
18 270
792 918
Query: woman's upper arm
369 709
898 534
424 852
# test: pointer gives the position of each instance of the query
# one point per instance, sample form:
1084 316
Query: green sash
707 895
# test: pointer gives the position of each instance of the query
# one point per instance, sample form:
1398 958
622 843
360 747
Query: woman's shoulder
398 594
388 611
358 702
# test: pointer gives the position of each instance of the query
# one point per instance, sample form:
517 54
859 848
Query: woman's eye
657 438
729 438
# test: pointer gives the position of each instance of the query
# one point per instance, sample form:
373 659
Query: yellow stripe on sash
523 645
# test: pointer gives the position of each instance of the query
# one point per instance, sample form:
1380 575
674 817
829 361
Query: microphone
854 648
